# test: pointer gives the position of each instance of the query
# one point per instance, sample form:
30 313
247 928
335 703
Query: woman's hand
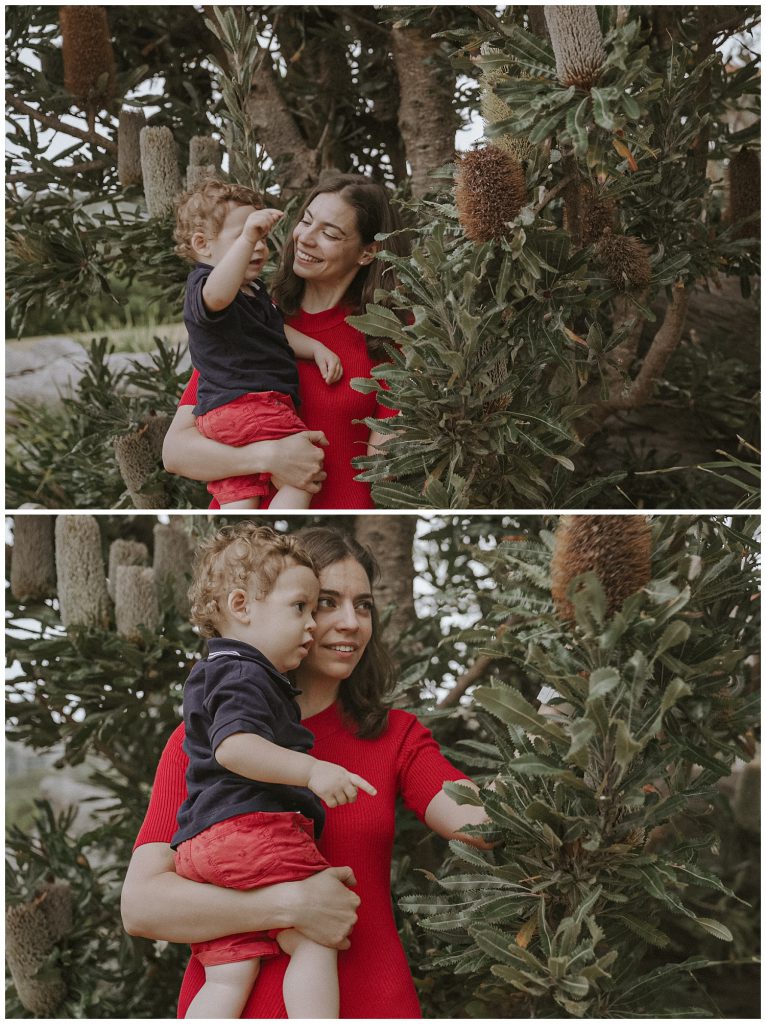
324 908
296 460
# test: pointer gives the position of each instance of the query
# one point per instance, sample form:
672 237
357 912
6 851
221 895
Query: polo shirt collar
221 646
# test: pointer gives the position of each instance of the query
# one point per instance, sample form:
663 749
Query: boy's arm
254 757
305 347
227 276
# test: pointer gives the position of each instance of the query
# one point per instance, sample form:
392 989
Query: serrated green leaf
510 707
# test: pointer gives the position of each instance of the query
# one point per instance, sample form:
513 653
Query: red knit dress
404 761
334 407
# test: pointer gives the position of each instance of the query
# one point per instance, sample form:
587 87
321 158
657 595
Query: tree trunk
390 539
427 120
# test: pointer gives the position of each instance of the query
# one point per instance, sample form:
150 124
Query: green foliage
601 808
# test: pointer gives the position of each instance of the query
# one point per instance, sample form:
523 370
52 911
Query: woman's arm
159 904
295 460
446 817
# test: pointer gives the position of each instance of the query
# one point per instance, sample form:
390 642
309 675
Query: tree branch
61 126
83 166
551 195
473 675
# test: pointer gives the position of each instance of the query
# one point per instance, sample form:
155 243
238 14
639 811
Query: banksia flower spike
135 601
124 552
494 110
625 260
745 193
159 167
597 215
89 70
83 597
617 549
577 43
490 190
129 147
139 457
173 557
204 160
32 931
33 563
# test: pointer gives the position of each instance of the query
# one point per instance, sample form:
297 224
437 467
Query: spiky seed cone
83 597
139 459
745 192
173 558
617 549
33 566
577 43
135 601
32 931
159 168
597 215
129 147
625 260
490 189
124 552
90 74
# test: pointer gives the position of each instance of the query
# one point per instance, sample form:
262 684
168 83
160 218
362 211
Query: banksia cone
617 549
129 147
83 597
139 458
159 167
494 110
490 189
597 215
173 558
204 160
124 552
745 192
577 43
135 601
89 69
747 797
32 931
625 260
33 565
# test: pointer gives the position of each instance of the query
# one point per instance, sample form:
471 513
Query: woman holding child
328 271
343 682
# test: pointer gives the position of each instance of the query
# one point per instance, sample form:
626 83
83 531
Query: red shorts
259 416
247 852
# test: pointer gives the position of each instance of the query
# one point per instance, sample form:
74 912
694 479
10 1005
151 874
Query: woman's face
343 622
328 246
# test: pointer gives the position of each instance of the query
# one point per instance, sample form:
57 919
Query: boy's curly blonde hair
243 555
204 208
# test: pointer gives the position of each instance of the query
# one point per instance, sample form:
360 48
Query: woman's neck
316 695
317 298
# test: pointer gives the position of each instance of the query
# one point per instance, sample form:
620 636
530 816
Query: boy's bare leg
291 497
244 503
225 991
310 987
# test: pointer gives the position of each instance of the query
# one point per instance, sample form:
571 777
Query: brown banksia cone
597 215
32 931
33 565
490 190
90 73
135 601
744 176
124 552
129 147
173 558
577 43
625 261
618 549
139 459
83 597
159 169
205 155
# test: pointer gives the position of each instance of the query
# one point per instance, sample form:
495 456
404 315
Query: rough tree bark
390 538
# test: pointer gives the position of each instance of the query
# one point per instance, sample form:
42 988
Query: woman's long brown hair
363 695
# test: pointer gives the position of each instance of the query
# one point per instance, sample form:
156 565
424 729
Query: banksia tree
577 43
33 565
82 591
159 169
579 910
132 123
89 67
490 190
136 608
124 552
744 174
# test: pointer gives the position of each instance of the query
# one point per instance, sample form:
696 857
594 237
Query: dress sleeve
189 397
168 793
422 768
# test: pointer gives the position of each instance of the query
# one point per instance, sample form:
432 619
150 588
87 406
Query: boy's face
281 625
212 249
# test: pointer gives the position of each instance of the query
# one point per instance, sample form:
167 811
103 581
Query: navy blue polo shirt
239 349
237 689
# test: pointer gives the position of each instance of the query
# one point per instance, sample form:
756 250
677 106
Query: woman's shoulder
403 724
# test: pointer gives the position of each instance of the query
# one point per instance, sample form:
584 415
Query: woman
344 680
328 272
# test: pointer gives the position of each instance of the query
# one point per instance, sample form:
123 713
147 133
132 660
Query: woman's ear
239 608
369 253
